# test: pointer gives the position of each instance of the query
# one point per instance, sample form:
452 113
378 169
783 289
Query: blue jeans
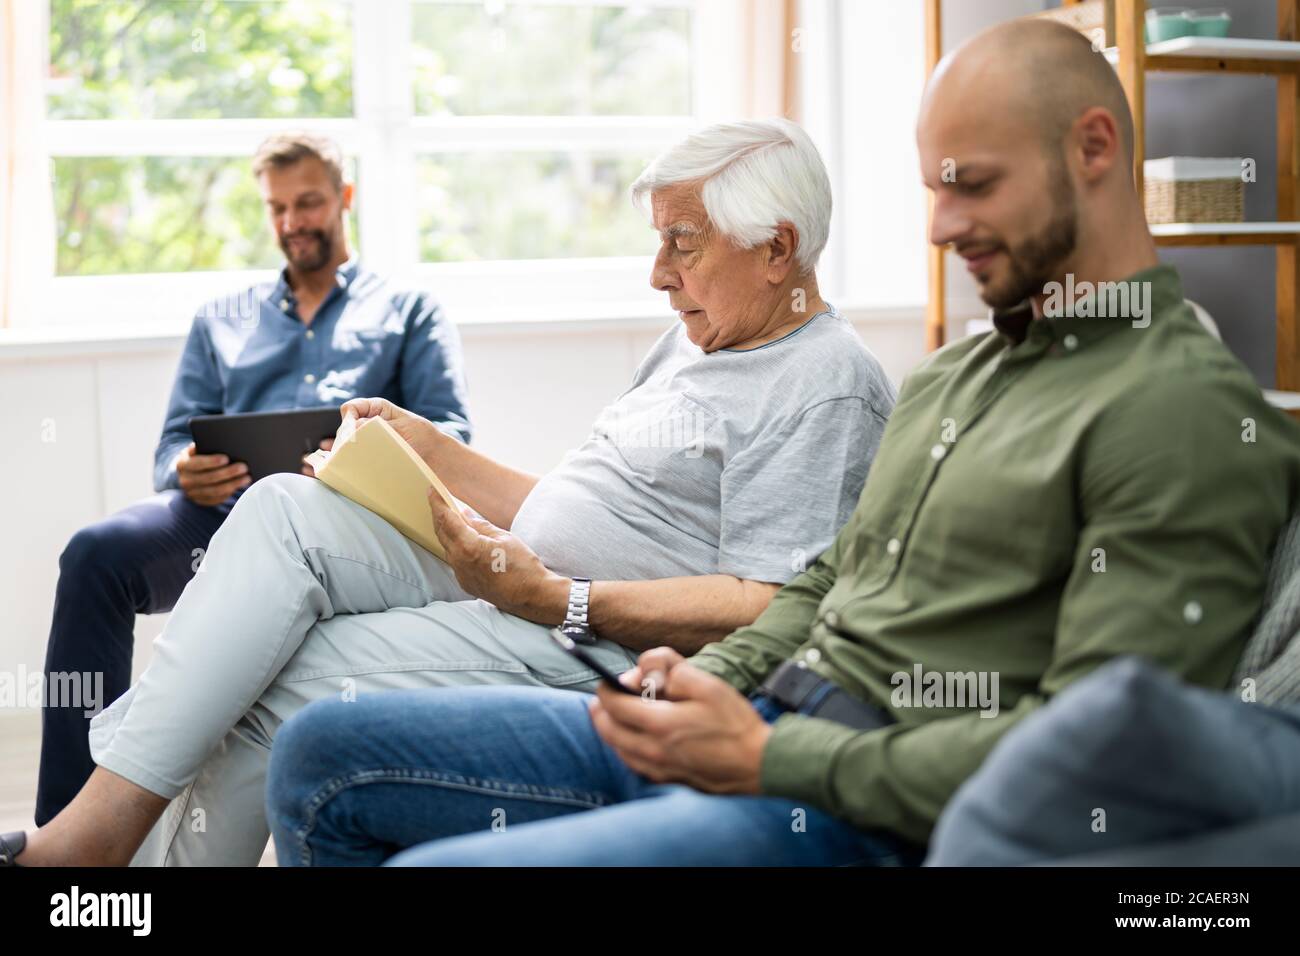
493 776
136 561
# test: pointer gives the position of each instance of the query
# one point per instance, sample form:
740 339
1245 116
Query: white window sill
81 341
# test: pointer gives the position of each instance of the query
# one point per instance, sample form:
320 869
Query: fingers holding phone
651 671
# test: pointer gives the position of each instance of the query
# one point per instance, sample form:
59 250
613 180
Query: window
117 63
479 132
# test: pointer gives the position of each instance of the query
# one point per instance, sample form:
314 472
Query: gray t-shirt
733 462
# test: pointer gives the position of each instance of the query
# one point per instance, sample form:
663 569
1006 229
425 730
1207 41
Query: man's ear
348 190
1098 141
781 250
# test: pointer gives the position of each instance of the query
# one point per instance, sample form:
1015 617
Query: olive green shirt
1046 496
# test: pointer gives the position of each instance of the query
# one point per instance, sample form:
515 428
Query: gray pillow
1126 756
1272 655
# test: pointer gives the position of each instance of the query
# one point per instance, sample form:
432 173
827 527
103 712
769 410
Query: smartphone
575 650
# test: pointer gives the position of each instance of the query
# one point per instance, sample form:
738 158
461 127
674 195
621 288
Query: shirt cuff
800 756
167 480
164 462
719 667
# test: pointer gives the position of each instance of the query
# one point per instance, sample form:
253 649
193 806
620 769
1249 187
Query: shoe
11 844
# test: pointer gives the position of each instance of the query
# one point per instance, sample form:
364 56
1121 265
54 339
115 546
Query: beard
314 257
1037 260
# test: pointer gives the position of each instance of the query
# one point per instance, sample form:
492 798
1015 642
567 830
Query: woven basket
1095 19
1194 195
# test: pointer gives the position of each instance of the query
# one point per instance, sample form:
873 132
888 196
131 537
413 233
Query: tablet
268 442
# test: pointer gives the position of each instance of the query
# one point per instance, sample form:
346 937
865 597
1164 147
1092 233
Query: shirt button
893 546
284 305
309 378
1192 612
831 619
938 451
1071 342
812 655
311 334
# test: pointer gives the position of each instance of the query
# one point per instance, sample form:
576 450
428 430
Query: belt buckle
787 680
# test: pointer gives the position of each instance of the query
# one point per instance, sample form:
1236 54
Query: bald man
1097 477
1026 142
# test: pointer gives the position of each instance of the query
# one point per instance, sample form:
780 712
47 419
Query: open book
374 466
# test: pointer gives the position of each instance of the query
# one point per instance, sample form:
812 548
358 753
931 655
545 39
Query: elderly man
1061 491
740 448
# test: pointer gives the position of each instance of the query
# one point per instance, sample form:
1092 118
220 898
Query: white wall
881 54
533 393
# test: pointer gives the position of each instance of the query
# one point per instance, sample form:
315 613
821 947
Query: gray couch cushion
1130 745
1272 654
1272 841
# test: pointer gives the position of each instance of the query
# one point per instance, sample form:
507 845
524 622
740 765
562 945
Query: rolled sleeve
197 390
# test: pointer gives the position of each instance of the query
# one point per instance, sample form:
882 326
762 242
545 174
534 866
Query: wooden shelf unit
1132 63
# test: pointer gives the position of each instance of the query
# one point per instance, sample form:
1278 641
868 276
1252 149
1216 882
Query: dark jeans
134 562
517 776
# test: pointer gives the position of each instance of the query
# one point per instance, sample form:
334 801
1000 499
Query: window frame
386 139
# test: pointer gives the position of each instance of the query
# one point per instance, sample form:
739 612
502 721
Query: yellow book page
375 467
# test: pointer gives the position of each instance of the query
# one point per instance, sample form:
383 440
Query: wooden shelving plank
1220 55
1227 48
1225 233
1201 64
1290 401
1288 207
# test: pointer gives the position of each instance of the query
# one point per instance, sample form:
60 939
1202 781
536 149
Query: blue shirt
251 352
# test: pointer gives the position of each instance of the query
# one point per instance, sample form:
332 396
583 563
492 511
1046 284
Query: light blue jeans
302 594
496 776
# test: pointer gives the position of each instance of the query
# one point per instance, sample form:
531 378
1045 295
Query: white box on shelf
1184 168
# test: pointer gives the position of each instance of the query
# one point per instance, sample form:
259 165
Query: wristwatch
575 625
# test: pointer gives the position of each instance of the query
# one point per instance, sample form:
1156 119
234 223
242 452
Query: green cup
1167 23
1209 23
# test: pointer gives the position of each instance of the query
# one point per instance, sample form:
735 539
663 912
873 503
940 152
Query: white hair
754 175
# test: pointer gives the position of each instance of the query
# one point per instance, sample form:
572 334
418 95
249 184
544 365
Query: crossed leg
291 553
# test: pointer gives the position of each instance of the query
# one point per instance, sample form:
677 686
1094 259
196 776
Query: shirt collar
1149 292
347 273
344 276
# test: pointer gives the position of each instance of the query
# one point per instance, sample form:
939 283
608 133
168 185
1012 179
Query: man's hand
650 676
209 479
494 565
420 433
326 444
701 732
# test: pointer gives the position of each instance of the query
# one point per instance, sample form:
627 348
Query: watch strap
576 615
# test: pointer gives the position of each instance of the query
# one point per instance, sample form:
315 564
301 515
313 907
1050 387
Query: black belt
794 682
